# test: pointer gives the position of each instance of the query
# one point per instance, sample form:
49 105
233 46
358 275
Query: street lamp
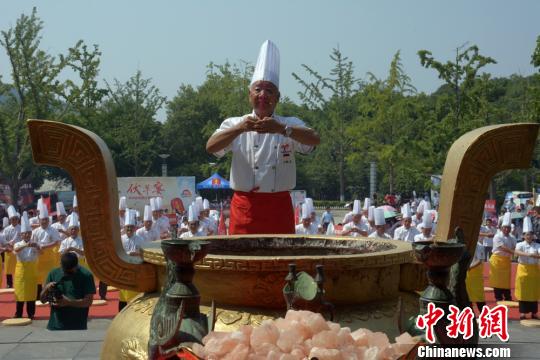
164 164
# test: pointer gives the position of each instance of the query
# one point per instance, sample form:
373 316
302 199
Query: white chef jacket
347 218
532 248
263 162
406 234
45 236
27 254
501 240
148 235
161 224
311 230
59 227
479 252
189 234
375 235
360 226
421 237
487 241
12 234
70 242
131 244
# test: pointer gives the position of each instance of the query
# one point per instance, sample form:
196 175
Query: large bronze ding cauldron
246 286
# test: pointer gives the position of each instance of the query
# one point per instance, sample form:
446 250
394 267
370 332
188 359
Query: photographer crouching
69 290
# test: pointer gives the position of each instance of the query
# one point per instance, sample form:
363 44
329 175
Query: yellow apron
57 254
528 282
83 263
499 271
475 283
25 281
1 272
46 262
11 262
127 295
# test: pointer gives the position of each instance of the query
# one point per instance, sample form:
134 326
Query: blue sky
173 41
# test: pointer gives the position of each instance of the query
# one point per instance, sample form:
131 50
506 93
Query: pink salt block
372 353
240 352
266 333
274 355
289 338
344 337
379 340
404 344
361 336
325 354
290 356
315 323
265 349
220 346
325 339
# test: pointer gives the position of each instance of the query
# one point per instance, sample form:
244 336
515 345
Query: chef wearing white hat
419 215
500 261
163 221
74 208
306 227
62 224
355 227
132 245
207 224
406 232
527 283
263 145
74 242
380 225
147 232
26 273
12 234
47 238
426 227
122 206
34 221
193 223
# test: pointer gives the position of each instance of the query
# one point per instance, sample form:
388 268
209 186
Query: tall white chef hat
193 214
43 211
153 206
267 68
5 222
527 225
74 220
199 203
122 203
306 214
371 215
159 203
75 202
309 202
129 218
420 208
427 220
427 205
25 223
507 219
60 209
406 211
379 216
147 213
206 204
356 208
367 204
12 212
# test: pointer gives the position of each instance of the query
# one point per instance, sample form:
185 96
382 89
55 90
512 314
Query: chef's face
14 221
74 231
44 223
61 218
306 222
426 231
407 222
130 229
356 218
148 224
505 230
26 235
528 236
193 226
263 97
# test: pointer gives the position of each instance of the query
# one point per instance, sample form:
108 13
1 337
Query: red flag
222 229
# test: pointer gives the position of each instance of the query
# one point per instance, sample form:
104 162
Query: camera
54 293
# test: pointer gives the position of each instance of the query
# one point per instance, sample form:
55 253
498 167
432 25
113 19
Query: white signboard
177 192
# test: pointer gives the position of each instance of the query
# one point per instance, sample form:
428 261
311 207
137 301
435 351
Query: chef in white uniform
406 232
380 225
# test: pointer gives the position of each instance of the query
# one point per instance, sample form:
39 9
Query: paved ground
36 342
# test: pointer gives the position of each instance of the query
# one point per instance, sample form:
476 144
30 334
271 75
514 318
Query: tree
133 133
333 97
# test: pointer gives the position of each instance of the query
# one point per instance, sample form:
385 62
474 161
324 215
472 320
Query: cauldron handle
87 159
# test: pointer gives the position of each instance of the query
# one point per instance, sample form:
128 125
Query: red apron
261 213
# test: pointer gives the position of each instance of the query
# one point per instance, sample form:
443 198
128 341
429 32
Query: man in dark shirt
70 290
